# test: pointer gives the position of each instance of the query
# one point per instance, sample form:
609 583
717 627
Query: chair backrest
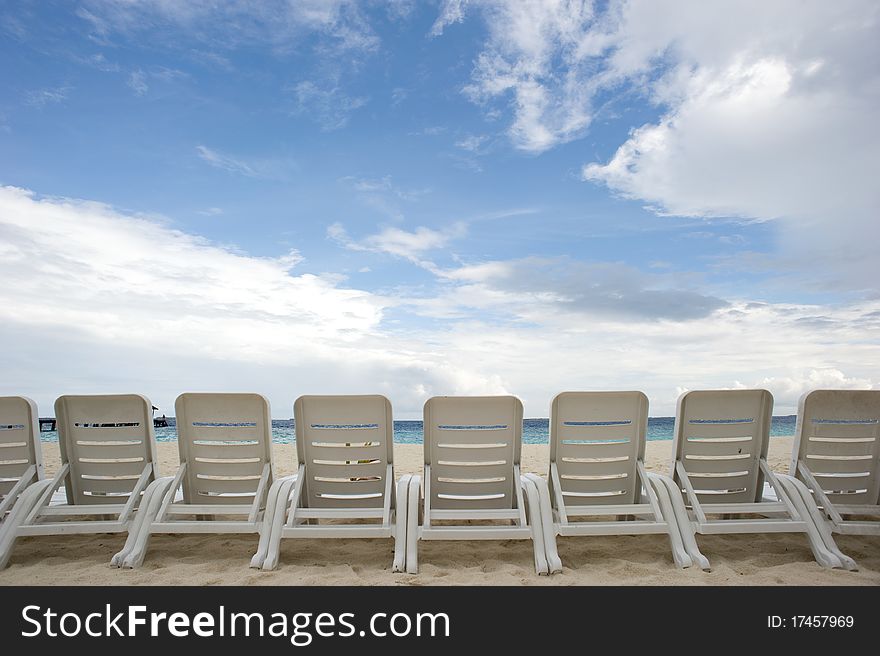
346 444
719 437
596 439
838 436
225 441
19 440
472 444
107 440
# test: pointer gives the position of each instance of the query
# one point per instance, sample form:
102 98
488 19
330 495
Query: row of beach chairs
471 487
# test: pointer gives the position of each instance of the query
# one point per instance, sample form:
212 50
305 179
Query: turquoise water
535 431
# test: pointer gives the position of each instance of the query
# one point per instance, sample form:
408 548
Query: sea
535 431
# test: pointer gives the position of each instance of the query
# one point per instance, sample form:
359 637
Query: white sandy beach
776 559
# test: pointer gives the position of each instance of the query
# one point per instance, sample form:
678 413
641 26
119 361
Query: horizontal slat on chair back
838 437
719 437
596 439
107 440
346 444
19 440
472 445
225 439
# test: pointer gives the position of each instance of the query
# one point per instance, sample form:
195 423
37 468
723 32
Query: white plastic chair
345 473
597 469
837 455
720 463
225 470
472 472
108 458
20 455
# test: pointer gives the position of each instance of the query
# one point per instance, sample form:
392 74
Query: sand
775 559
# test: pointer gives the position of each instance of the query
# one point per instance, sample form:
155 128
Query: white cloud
409 245
778 125
767 109
532 56
802 381
106 301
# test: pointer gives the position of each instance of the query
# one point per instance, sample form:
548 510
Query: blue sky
420 198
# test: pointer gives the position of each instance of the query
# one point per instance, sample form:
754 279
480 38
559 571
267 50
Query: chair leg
279 489
679 553
283 506
401 511
686 527
822 525
22 508
554 563
137 523
822 543
534 510
137 553
412 525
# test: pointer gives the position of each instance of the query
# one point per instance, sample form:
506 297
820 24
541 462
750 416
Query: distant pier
49 424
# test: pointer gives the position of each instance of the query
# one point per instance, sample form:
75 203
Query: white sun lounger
108 456
597 469
720 463
345 474
837 455
472 472
225 471
20 456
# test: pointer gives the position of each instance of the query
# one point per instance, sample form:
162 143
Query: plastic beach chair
472 473
598 481
225 473
837 456
20 456
720 464
345 475
108 455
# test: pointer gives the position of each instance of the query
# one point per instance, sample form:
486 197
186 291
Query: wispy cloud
472 143
248 167
384 184
137 82
534 58
226 24
99 62
40 97
330 106
451 12
411 245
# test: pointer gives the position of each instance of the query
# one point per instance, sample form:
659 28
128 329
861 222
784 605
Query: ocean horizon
535 430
